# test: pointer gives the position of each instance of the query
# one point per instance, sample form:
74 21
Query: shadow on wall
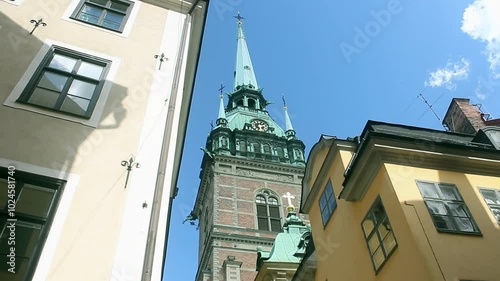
52 143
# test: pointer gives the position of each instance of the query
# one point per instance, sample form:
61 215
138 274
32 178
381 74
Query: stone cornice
287 168
416 153
310 192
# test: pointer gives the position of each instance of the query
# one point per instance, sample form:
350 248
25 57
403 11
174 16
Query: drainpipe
160 179
427 237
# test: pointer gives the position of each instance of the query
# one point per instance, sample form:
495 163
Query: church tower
249 163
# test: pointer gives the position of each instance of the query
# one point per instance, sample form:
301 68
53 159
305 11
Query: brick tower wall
232 234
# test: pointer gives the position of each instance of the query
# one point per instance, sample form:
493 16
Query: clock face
260 125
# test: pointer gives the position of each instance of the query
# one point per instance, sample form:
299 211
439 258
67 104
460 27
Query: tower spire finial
289 131
244 74
221 119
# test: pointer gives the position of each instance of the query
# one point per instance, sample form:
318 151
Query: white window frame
94 120
126 30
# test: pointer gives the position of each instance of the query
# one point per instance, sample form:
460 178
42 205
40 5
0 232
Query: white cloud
481 20
447 75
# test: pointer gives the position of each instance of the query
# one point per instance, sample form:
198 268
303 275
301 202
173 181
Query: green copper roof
244 72
289 244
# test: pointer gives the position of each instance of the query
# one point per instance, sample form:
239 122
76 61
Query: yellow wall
460 256
341 249
422 253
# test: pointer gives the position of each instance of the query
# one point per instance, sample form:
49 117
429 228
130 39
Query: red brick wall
234 210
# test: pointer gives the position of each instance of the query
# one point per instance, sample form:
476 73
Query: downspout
428 240
160 179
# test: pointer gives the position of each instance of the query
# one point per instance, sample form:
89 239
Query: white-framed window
492 199
447 208
50 87
109 14
112 16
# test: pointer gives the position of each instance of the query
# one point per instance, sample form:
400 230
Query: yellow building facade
405 203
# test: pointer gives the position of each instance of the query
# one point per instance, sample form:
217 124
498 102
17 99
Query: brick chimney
463 117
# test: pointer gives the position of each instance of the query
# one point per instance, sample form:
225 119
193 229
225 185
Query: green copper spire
221 119
244 73
289 131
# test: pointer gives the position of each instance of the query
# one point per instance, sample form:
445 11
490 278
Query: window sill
443 231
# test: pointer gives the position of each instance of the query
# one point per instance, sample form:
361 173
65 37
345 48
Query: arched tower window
280 152
268 212
251 103
243 146
267 148
239 103
256 147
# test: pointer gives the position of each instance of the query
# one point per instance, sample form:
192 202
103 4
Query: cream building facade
95 97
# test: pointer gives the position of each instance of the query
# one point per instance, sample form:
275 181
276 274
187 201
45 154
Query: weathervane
221 89
238 17
284 102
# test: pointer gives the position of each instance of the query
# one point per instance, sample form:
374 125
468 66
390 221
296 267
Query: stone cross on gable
289 197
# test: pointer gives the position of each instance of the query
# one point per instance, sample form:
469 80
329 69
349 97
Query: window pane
90 70
332 204
90 14
260 199
458 210
82 89
21 268
100 2
263 224
275 225
274 212
322 201
378 212
496 212
389 242
443 222
44 97
428 190
3 193
449 192
328 190
27 235
378 258
373 243
75 105
119 6
261 210
272 201
368 224
35 201
325 215
465 224
383 229
112 20
52 81
63 63
436 208
490 196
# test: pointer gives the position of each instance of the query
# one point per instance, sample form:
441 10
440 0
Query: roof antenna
430 106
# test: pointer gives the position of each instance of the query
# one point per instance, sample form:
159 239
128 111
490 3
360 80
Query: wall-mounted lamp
162 59
37 23
129 164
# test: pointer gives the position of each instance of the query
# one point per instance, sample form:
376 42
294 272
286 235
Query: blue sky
339 64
